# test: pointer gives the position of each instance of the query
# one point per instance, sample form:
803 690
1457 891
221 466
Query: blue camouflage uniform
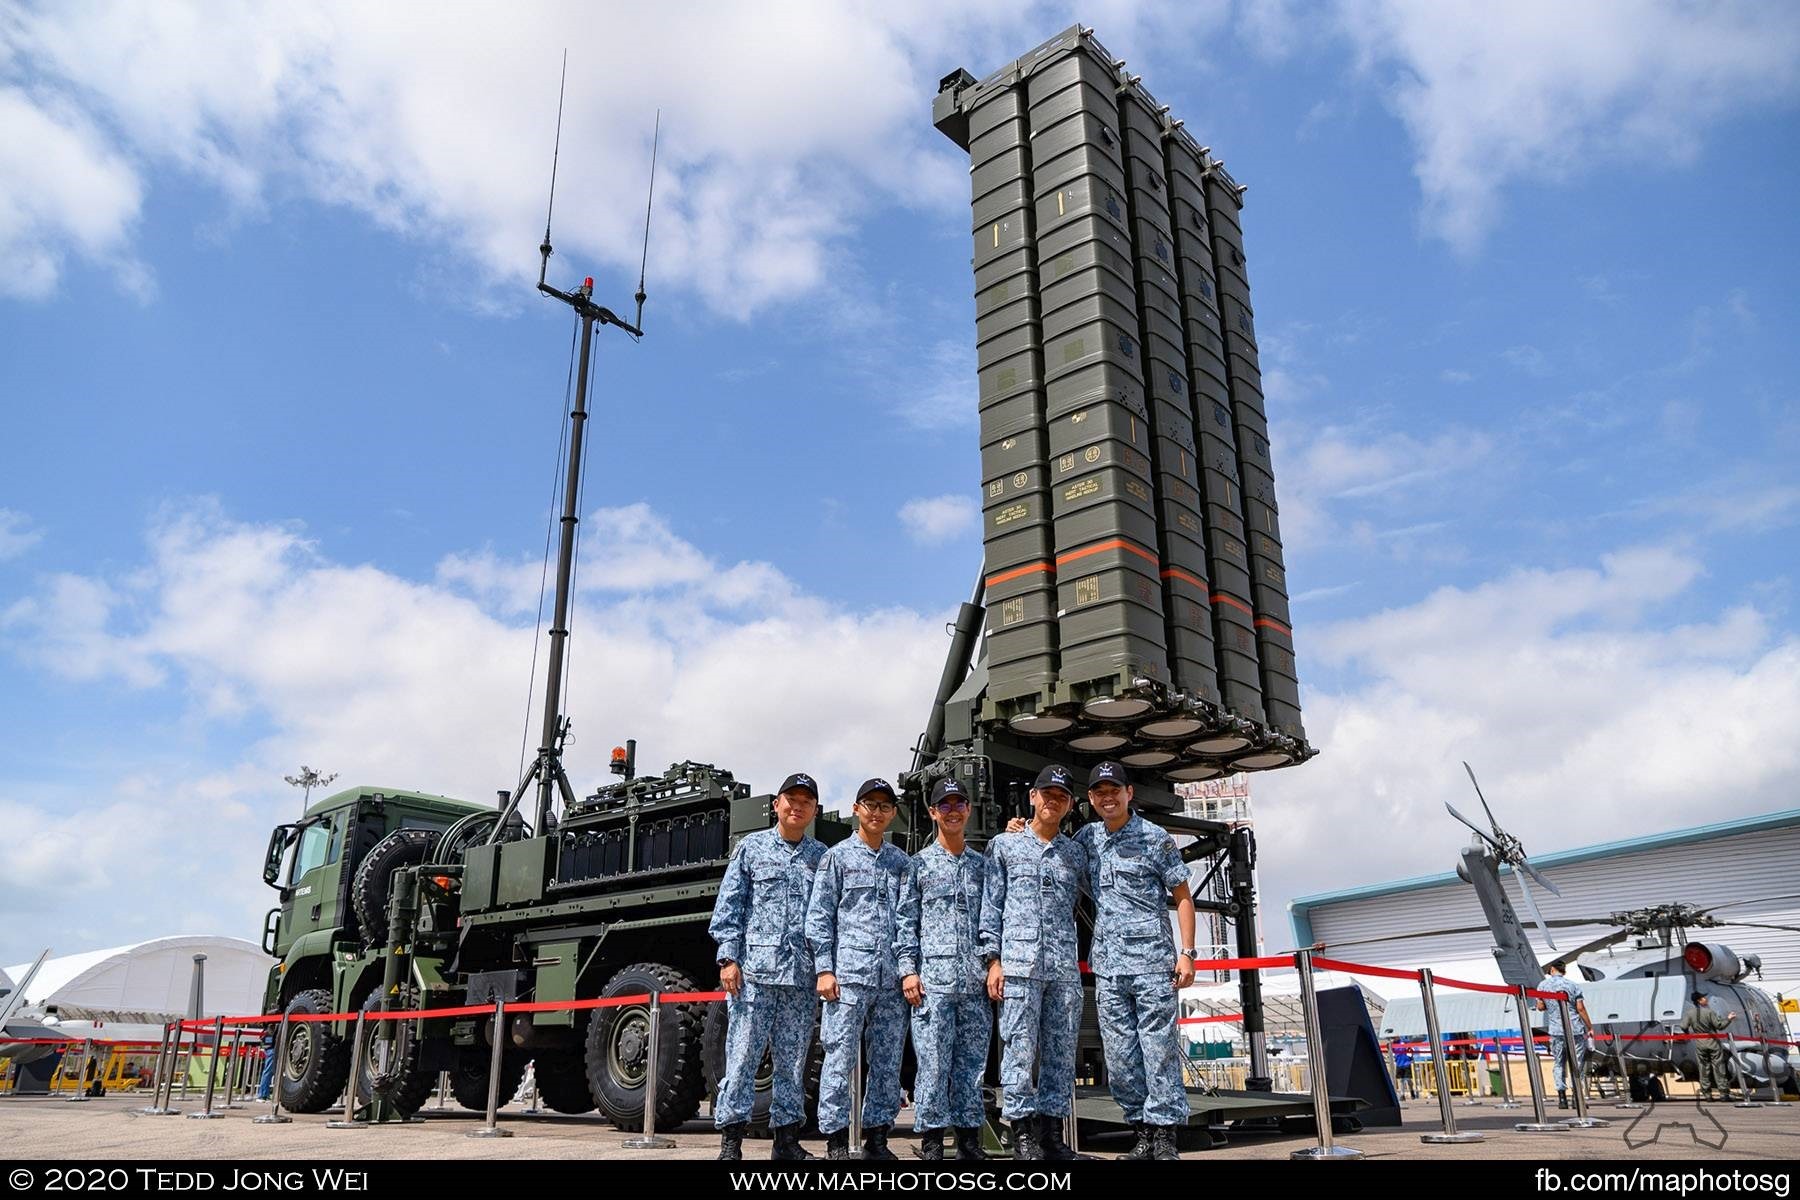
1028 923
1559 1045
939 940
1130 875
850 925
757 923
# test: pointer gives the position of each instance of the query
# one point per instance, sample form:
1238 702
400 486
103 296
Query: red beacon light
1697 957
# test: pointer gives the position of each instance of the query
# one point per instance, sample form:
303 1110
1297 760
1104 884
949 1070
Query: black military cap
877 785
799 781
947 787
1109 772
1055 776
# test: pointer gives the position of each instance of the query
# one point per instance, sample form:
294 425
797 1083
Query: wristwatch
1188 952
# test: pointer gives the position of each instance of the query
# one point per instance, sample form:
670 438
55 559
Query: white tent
148 982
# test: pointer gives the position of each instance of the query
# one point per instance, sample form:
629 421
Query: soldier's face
1052 804
794 810
875 812
1109 800
952 816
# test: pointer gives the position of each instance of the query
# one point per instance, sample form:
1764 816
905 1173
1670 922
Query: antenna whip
655 140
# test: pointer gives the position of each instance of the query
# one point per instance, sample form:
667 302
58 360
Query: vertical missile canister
1135 585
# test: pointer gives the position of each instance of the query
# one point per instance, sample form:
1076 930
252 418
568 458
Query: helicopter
1638 979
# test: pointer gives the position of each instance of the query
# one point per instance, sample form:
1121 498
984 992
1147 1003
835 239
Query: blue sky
281 409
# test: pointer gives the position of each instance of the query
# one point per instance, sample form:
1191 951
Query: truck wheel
403 1081
370 886
318 1060
562 1081
469 1075
618 1044
713 1056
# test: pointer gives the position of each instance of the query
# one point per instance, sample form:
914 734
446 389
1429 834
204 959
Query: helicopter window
1590 974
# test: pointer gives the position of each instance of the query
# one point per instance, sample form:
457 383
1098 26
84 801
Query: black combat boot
1140 1150
787 1144
1051 1139
1162 1143
1562 1098
837 1145
931 1145
1025 1139
875 1147
968 1145
731 1142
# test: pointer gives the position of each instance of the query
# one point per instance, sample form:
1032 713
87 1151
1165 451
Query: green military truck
401 900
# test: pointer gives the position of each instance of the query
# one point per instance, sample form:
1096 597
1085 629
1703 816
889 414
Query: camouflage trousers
876 1017
778 1019
1038 1023
950 1033
1143 1057
1559 1060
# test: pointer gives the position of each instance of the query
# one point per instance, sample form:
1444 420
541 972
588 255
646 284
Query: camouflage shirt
761 908
939 933
850 921
1028 905
1130 875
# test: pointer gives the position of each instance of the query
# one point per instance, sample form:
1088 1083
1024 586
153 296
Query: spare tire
370 887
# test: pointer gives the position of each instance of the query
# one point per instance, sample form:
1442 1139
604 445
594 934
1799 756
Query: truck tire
318 1060
406 1084
617 1042
469 1076
562 1081
712 1054
370 886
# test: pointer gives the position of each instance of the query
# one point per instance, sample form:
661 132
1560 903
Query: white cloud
1536 90
930 520
1586 717
400 683
1528 359
16 534
1453 376
1327 473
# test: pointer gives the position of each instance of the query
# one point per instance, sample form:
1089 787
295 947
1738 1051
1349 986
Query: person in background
1403 1070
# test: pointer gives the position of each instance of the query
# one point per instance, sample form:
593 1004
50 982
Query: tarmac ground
108 1129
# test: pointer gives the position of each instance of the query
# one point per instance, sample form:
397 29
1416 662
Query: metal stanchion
273 1116
193 1048
1540 1122
87 1056
531 1108
1734 1067
234 1072
1774 1100
357 1041
157 1074
1072 1126
162 1105
1574 1064
1624 1101
649 1139
1506 1096
1441 1069
206 1112
491 1127
1315 1057
443 1090
856 1090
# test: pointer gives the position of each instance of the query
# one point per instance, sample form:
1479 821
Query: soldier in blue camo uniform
766 971
850 926
1134 868
943 978
1033 881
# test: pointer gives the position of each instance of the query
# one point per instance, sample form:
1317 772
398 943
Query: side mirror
280 838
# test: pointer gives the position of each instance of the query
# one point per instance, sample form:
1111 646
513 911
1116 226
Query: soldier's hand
913 990
996 981
1016 825
1184 971
828 986
731 978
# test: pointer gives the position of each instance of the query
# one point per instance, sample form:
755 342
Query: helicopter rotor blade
1482 798
1533 872
1481 833
1525 891
1759 925
1758 900
1601 943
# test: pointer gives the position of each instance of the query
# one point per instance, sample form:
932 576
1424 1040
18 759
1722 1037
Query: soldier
942 977
1028 942
1703 1018
1134 869
850 925
766 971
1556 980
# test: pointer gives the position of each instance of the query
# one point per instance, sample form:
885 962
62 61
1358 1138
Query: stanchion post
856 1090
531 1108
1572 1065
87 1056
234 1069
157 1074
1624 1100
1540 1122
1506 1096
357 1041
1733 1066
206 1112
1072 1126
443 1089
193 1048
1774 1100
649 1139
1441 1070
491 1127
273 1116
1315 1060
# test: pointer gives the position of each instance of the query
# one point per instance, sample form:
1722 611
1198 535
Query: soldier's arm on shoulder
821 914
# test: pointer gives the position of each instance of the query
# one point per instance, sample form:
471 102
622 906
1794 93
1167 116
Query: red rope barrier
1210 1020
1350 968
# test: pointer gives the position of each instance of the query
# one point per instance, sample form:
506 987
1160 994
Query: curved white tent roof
149 981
